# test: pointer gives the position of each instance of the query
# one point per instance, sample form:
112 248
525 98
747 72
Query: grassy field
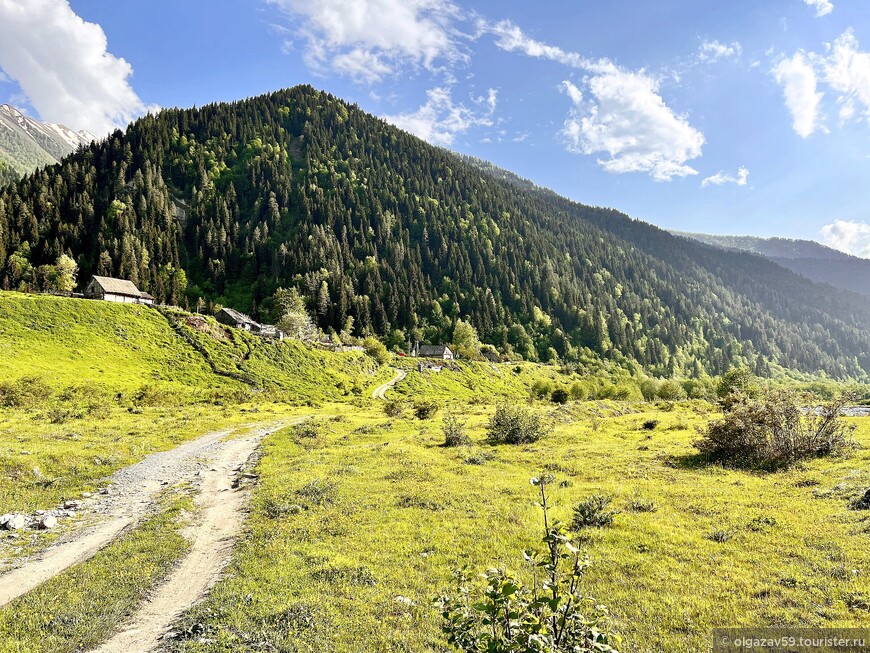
84 605
349 526
353 532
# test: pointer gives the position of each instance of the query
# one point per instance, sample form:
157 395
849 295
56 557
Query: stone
86 495
403 600
70 505
14 522
47 522
104 490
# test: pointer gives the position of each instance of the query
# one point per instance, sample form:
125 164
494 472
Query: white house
116 290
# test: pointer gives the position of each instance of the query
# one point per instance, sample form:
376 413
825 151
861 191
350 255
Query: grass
81 607
358 519
402 512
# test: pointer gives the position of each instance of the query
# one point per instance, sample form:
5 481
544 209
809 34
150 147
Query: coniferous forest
385 234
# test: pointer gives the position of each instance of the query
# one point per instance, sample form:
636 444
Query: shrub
720 536
453 429
642 504
479 458
316 493
862 502
376 349
552 615
310 428
649 425
26 392
775 430
593 512
515 425
394 408
559 396
542 388
424 409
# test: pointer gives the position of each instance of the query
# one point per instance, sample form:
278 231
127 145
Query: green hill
297 188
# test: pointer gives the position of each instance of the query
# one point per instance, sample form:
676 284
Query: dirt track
202 462
381 391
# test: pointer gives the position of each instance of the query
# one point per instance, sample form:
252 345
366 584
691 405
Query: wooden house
432 351
116 290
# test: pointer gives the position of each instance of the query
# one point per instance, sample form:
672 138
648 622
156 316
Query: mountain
381 231
806 257
27 144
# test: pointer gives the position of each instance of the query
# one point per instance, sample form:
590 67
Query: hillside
805 257
298 188
27 144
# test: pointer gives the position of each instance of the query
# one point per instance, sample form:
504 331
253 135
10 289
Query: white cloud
713 51
822 7
721 178
368 40
627 119
63 66
850 236
440 120
847 71
798 80
512 39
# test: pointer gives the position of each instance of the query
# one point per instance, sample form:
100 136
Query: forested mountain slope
806 257
299 188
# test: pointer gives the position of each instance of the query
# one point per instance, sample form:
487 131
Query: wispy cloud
63 66
721 178
850 236
822 7
798 80
713 51
441 119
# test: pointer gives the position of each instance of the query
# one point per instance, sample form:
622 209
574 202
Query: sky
741 118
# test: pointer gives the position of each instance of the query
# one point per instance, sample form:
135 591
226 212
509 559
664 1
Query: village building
116 290
238 320
432 351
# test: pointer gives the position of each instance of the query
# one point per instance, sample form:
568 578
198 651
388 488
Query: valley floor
348 521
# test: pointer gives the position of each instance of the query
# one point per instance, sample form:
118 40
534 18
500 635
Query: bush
593 512
553 615
394 408
310 428
559 396
424 409
775 430
26 392
376 349
515 425
642 504
542 388
453 429
649 425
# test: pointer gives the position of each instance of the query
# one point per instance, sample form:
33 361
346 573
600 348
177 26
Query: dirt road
220 516
381 391
203 462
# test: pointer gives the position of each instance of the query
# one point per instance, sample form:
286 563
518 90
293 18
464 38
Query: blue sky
741 118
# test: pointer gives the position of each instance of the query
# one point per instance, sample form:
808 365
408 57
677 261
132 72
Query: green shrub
775 430
424 409
515 425
559 396
310 428
552 615
453 429
642 504
376 349
26 392
594 511
542 388
394 408
649 425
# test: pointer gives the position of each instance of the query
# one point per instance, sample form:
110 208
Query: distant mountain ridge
813 260
27 144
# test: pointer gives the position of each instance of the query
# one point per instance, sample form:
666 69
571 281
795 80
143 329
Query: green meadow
358 519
